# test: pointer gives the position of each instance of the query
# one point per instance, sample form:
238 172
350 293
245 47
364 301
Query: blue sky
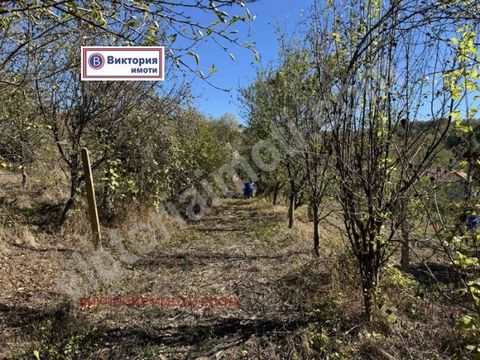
239 73
232 75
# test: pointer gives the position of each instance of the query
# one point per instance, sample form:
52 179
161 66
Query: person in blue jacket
248 189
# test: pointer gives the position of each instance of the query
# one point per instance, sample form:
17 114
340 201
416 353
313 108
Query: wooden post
92 203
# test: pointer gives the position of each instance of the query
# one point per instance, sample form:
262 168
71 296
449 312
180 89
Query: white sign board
123 63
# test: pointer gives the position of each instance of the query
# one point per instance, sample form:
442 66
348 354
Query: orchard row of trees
143 146
361 104
145 138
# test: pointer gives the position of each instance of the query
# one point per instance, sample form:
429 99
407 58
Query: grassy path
242 249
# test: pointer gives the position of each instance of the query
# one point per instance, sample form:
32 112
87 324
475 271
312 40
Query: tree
92 114
282 106
374 168
22 132
458 235
317 148
270 106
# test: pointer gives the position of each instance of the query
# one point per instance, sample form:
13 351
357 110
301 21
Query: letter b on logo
96 61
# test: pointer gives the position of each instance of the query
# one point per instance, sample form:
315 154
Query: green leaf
233 20
36 353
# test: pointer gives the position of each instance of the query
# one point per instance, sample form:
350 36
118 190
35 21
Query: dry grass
292 305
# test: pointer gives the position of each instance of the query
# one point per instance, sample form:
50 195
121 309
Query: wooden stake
92 203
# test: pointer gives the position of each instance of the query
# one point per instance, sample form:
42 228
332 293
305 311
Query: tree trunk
291 209
24 177
276 190
405 250
368 303
107 199
316 225
66 210
275 195
369 284
71 200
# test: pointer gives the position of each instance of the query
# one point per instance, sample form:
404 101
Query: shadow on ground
430 274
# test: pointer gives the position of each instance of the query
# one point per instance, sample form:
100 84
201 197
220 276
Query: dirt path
241 250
